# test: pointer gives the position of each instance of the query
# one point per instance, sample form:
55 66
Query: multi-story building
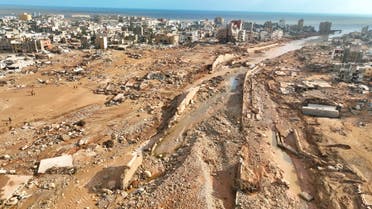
277 35
325 28
219 21
248 26
282 23
101 42
300 24
353 54
365 30
268 26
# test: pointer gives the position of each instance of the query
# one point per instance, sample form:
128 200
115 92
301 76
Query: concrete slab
9 184
187 99
321 110
367 199
117 177
131 168
306 196
64 161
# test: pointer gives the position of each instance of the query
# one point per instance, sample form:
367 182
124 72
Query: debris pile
69 75
50 135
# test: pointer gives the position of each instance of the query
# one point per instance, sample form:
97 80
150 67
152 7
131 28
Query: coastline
345 22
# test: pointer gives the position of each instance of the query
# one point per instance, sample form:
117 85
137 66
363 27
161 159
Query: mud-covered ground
217 149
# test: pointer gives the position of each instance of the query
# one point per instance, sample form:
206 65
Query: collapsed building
167 39
352 73
25 45
353 54
235 32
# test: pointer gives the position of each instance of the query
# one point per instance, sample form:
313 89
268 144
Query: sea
345 22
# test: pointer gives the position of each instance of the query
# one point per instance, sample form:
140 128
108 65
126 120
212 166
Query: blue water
347 23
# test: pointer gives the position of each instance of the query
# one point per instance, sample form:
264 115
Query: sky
297 6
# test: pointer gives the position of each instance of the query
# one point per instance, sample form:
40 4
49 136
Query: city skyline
361 7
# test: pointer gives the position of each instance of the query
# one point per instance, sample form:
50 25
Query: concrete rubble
222 59
185 100
321 110
10 185
366 200
64 161
135 112
131 168
306 196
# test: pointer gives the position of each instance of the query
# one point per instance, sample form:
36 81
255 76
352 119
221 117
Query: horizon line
202 10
